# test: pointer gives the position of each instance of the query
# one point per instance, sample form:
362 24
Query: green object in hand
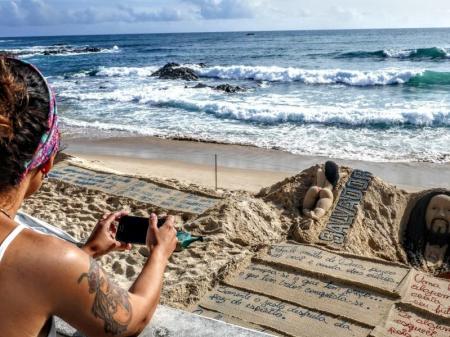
185 239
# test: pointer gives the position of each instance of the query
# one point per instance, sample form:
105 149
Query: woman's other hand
163 240
103 238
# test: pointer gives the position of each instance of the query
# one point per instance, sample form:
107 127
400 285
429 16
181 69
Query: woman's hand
162 241
103 237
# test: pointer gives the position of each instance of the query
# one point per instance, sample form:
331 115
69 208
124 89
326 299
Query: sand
379 220
239 167
191 273
241 225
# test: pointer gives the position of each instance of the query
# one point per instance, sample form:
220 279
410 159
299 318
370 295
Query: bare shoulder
43 263
46 251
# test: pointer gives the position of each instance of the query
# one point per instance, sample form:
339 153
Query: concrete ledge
169 322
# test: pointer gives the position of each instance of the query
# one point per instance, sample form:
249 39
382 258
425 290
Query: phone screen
133 229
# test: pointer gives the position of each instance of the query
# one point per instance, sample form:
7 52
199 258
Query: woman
42 276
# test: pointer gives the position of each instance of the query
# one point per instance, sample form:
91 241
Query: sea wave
290 74
383 77
125 71
58 50
252 111
433 53
307 76
369 145
429 77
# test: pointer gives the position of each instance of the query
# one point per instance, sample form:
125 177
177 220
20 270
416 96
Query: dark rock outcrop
229 88
172 71
223 87
201 86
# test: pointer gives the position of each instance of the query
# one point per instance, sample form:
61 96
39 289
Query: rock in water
172 71
200 86
223 87
229 88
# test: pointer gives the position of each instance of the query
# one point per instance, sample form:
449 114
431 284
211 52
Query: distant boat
250 34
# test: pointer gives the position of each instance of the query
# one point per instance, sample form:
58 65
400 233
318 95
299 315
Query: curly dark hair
332 172
24 109
416 231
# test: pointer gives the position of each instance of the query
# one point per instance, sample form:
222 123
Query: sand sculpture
370 218
264 264
319 198
427 234
356 270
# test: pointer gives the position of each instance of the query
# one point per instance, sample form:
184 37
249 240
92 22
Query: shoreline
241 167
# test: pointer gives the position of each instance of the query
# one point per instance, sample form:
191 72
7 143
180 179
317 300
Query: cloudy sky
71 17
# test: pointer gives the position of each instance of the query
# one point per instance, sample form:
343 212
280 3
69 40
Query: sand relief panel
344 214
133 188
378 275
302 290
428 293
404 323
232 320
286 318
326 296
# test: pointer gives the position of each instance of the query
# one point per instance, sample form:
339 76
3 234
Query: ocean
376 95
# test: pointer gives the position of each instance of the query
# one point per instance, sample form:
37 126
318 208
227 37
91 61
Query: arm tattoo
111 303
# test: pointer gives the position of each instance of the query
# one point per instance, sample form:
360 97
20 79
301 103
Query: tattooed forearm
111 303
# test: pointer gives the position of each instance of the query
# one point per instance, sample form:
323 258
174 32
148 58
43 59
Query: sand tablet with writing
428 293
326 296
349 269
132 188
286 318
232 320
408 324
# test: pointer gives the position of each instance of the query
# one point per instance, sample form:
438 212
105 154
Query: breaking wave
250 110
280 74
58 50
414 77
306 76
434 53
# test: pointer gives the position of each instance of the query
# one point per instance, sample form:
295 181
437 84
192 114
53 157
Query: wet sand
239 167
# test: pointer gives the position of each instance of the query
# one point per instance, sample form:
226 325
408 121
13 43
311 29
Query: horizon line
227 31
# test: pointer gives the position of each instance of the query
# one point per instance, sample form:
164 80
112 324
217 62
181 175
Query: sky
78 17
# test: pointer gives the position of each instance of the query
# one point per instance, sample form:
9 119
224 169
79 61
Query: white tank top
3 246
11 236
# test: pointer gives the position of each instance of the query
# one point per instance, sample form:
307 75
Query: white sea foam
280 74
434 52
325 76
271 110
309 139
126 71
69 50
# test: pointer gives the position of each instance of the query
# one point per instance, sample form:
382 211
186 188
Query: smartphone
133 229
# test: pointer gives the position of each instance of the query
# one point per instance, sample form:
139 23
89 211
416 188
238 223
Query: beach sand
244 220
239 167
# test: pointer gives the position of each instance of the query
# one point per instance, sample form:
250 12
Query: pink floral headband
49 143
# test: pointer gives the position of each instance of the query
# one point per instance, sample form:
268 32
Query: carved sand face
437 216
